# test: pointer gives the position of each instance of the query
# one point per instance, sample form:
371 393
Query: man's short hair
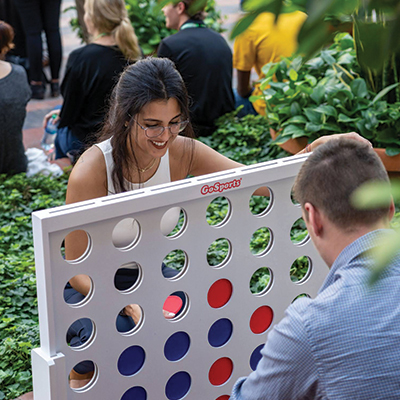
195 9
332 173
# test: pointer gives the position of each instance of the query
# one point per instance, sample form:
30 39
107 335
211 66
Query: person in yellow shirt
263 42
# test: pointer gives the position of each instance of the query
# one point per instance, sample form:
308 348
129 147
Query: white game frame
54 359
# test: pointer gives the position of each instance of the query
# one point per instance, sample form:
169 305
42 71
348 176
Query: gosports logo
220 187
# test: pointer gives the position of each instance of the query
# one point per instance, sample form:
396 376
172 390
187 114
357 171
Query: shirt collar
352 252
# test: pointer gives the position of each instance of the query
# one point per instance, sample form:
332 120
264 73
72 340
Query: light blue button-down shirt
342 345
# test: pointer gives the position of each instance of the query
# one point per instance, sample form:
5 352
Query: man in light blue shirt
345 343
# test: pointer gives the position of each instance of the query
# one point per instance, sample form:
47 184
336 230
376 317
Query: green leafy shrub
327 95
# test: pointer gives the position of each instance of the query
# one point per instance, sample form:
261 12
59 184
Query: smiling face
155 113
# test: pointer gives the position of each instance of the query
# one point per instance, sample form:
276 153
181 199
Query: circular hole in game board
298 232
261 281
219 253
293 198
80 241
178 385
261 319
261 241
128 277
81 334
173 222
177 346
129 320
219 293
301 269
220 371
175 264
126 234
176 306
220 332
135 393
261 202
218 211
74 298
223 397
300 296
80 380
131 360
256 357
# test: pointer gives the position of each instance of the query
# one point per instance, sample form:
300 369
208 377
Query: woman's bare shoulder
88 178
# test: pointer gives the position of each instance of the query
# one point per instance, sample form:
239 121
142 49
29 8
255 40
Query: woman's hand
323 139
49 115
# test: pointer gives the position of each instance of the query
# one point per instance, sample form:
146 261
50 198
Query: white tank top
128 229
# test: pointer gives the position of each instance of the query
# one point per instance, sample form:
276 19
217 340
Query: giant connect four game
217 334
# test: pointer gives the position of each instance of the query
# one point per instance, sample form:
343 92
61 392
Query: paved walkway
37 109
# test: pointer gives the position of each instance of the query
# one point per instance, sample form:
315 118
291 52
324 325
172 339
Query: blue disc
178 385
256 357
131 360
135 393
177 346
220 332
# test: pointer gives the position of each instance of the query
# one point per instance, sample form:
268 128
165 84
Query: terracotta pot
292 146
391 163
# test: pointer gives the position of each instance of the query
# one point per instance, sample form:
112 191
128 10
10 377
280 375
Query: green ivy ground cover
19 333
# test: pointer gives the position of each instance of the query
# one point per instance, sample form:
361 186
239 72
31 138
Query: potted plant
327 94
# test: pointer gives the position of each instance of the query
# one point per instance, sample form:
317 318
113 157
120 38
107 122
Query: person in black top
204 60
14 95
91 73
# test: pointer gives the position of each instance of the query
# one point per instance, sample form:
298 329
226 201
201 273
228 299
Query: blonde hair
110 17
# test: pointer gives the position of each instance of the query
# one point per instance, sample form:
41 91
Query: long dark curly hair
141 83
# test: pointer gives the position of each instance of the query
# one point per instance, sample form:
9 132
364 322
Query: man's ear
392 210
314 219
180 7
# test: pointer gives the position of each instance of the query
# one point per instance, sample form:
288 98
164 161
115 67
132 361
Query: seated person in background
344 343
14 95
263 42
204 60
91 73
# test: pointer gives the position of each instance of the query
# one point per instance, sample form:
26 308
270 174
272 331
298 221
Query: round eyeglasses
154 131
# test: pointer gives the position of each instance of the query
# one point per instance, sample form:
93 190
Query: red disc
261 319
224 397
173 304
219 293
220 371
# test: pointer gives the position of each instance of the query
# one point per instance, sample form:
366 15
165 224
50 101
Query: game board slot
261 241
218 211
220 332
173 222
261 201
261 319
74 298
80 244
219 253
301 269
261 281
131 360
130 319
126 234
177 346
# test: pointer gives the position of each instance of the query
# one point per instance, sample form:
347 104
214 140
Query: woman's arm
88 180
